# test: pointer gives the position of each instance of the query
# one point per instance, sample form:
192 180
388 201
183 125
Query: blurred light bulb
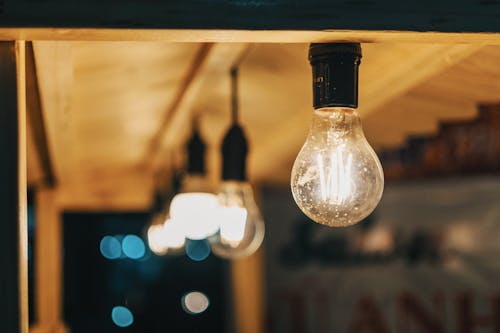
195 210
233 220
175 237
241 225
157 239
197 213
337 179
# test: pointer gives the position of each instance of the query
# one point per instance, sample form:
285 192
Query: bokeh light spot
133 247
122 316
197 250
110 247
195 302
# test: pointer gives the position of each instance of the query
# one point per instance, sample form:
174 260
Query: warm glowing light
165 237
197 213
174 234
232 225
241 225
195 302
337 179
156 239
335 182
379 240
121 316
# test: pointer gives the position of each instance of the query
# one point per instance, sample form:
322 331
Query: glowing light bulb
241 225
156 239
197 212
337 179
175 237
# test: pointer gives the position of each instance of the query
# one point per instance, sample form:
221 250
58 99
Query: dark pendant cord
234 94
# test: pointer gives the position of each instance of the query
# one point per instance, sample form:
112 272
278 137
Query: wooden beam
172 112
36 118
385 74
450 16
54 71
13 209
176 129
248 36
248 292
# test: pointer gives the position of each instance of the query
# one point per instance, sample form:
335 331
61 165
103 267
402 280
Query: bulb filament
335 179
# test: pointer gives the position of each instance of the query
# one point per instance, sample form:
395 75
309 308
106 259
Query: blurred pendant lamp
155 235
195 208
164 234
241 225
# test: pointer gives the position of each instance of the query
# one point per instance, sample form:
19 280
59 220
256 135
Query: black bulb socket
196 154
335 74
234 154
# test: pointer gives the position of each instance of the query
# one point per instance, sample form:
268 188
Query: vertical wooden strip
13 215
49 261
248 291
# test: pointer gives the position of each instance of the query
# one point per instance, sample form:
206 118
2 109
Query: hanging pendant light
165 235
241 225
195 208
337 179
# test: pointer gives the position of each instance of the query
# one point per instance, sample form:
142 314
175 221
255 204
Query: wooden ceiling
116 112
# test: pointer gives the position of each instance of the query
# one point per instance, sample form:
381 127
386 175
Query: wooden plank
248 292
398 66
177 124
48 253
36 118
248 36
446 15
13 210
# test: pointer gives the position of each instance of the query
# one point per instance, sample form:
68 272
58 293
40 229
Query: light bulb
241 225
195 208
337 179
165 236
156 239
174 234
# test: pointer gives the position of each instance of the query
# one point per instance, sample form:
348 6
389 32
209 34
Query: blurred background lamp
195 302
174 234
197 212
121 316
195 208
241 225
157 239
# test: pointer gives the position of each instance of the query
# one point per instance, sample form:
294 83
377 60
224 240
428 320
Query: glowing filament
335 179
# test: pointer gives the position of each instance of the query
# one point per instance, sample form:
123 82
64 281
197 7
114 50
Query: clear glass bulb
241 225
337 179
195 209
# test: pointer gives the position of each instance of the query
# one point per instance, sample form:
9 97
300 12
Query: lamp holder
234 154
196 153
335 69
234 145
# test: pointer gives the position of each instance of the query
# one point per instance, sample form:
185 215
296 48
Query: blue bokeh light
133 247
122 316
110 247
197 250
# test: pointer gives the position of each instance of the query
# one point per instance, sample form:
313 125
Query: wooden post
13 214
48 251
248 290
